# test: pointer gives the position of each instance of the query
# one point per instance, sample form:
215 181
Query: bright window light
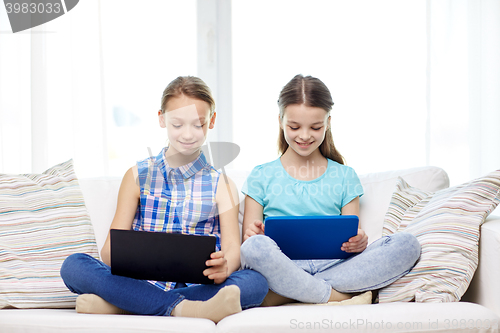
370 54
146 45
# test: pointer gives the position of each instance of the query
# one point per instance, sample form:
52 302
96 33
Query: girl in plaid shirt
176 191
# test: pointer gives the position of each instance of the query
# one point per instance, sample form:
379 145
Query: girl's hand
255 228
357 243
218 269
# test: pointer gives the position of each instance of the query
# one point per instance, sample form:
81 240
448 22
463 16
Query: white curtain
53 99
88 84
370 54
464 87
15 107
51 96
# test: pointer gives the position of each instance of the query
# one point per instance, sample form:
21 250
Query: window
146 45
414 82
372 57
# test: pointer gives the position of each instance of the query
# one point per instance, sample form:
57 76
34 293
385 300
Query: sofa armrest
484 288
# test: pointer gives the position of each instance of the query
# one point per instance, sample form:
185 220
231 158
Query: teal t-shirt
282 195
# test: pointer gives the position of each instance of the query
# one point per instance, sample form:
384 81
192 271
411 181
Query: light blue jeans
310 281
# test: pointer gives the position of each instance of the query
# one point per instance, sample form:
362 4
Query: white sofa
479 310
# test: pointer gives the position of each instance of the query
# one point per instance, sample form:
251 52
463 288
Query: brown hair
312 92
190 86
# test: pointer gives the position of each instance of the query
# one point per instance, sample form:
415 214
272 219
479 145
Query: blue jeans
310 281
84 274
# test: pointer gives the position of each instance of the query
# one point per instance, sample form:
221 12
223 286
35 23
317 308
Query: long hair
311 92
190 86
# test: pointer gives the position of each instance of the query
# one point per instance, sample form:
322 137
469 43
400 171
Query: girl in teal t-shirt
310 178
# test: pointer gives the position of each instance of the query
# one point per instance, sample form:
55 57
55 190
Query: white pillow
378 188
43 220
447 225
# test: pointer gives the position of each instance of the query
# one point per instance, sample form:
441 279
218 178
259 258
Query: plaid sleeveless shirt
177 200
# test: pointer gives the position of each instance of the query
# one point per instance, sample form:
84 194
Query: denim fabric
310 281
83 274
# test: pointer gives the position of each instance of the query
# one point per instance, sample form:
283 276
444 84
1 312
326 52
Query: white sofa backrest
379 187
101 195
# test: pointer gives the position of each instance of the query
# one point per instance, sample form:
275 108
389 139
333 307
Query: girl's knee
254 249
255 245
251 282
72 265
70 270
69 262
254 279
262 286
409 243
260 281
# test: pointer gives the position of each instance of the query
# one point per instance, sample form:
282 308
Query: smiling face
304 128
187 121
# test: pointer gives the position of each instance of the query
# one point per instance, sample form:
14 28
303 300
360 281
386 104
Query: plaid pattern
177 200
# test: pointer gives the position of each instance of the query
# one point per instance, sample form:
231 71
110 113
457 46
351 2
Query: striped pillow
447 225
43 220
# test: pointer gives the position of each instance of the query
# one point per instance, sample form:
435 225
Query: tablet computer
161 256
312 237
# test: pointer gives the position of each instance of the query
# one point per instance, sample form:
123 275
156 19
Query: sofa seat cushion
67 320
373 318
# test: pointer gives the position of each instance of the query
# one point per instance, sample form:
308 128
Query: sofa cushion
446 223
372 318
484 288
101 196
378 188
43 220
66 320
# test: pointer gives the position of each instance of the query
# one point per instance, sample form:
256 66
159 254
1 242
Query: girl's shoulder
334 164
260 177
269 166
341 169
152 160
